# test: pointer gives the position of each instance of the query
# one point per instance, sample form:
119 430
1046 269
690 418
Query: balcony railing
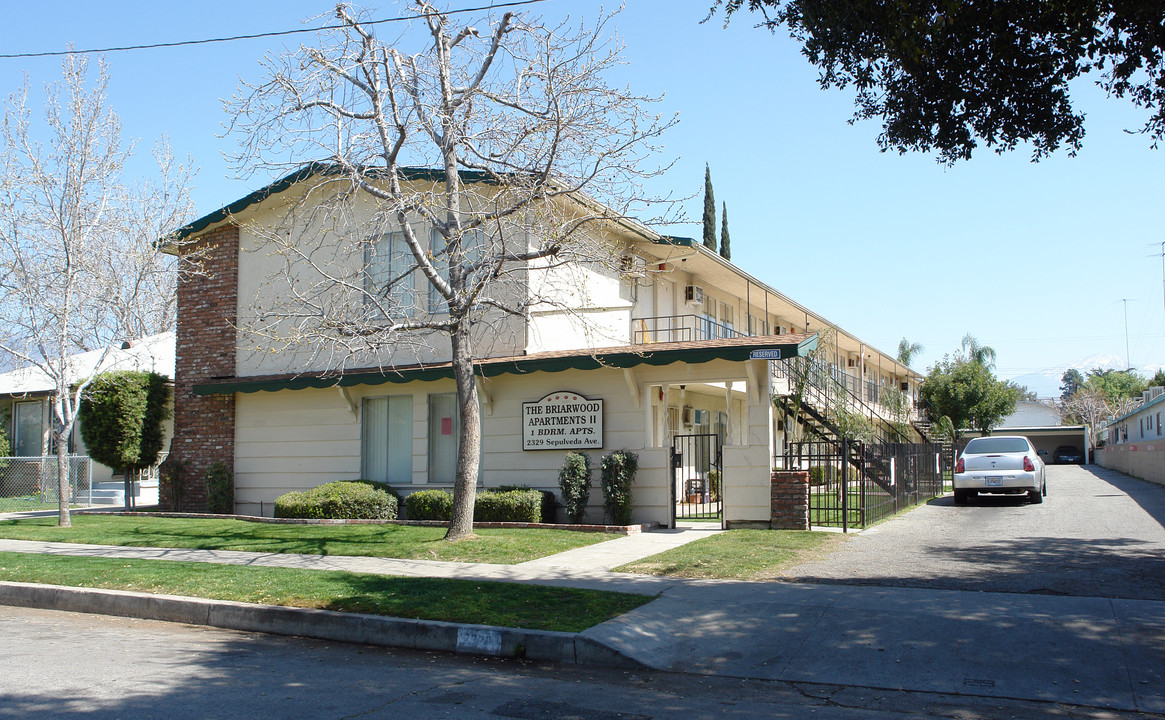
679 328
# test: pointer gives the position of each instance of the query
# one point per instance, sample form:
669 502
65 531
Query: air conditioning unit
687 415
694 295
904 386
633 266
693 416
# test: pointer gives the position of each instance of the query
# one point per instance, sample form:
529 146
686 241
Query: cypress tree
709 211
725 244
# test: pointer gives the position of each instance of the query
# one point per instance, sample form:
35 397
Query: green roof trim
298 176
643 355
674 240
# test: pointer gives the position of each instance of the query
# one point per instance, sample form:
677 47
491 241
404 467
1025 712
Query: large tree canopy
968 393
945 75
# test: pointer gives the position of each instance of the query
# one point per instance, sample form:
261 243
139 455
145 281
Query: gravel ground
1098 533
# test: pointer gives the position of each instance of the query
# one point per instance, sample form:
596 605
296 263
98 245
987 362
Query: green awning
769 347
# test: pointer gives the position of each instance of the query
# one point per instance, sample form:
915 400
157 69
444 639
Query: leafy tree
907 350
1025 393
944 76
1115 385
967 393
122 419
709 210
725 242
1158 379
1070 382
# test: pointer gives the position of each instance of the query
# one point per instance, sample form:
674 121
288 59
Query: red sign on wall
447 426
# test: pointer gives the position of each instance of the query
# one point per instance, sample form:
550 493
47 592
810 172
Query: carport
1048 437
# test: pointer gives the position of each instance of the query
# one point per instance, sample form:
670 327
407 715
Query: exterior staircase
111 493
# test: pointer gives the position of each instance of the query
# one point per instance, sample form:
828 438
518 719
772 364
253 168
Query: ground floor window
28 433
387 439
444 431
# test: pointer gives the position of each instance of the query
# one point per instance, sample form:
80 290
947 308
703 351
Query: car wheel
961 497
1035 496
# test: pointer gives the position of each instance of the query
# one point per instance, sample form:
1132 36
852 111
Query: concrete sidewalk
1078 650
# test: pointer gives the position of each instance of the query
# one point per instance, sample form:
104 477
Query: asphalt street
69 665
996 605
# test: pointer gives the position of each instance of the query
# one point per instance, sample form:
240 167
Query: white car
1005 464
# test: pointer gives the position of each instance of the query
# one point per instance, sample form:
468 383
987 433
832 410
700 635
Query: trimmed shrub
508 506
488 506
381 486
121 418
549 501
429 505
574 480
173 490
618 472
220 490
338 501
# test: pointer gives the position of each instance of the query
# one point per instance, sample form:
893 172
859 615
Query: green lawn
489 603
506 546
25 503
738 555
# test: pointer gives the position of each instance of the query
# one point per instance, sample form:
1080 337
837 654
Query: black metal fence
698 474
856 484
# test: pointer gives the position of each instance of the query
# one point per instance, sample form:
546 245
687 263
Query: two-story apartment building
671 352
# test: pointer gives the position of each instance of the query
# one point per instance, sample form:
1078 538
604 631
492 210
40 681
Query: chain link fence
30 483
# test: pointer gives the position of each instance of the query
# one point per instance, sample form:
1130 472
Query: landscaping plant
574 480
338 501
220 490
618 472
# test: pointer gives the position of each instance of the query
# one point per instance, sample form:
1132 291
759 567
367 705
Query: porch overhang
768 347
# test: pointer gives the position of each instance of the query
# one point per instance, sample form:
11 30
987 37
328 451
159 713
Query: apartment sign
562 421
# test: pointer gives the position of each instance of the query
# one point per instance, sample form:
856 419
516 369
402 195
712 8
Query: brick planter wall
204 426
790 500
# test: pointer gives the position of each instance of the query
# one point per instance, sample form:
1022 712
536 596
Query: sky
1040 261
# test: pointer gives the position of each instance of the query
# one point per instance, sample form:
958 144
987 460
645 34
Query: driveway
1098 534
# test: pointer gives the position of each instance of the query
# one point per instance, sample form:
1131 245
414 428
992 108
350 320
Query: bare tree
461 178
79 268
1092 407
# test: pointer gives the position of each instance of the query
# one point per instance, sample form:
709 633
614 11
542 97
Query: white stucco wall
294 440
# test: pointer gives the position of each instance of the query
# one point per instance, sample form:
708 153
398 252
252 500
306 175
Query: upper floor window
474 247
388 277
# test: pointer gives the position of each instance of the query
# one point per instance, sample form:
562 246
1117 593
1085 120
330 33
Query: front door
697 479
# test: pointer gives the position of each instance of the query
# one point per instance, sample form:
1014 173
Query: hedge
338 501
489 506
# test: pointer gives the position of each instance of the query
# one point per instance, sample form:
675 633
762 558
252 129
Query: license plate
994 480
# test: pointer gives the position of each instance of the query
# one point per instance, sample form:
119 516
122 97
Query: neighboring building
679 343
26 393
1134 443
1032 413
1040 422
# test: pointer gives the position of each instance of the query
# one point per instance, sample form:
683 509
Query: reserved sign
562 421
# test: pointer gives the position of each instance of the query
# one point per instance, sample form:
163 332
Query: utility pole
1128 359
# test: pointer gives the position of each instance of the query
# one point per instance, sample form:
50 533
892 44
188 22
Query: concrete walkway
1085 651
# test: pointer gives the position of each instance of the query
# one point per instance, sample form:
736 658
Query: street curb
321 624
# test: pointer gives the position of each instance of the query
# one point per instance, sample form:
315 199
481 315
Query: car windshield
979 446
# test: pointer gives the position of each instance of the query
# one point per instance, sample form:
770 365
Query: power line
183 43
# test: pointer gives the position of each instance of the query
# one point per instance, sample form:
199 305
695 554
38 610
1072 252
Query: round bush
429 505
338 501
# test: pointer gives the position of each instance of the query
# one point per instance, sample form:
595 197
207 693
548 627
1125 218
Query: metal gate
697 478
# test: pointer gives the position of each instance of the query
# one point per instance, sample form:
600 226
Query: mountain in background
1046 383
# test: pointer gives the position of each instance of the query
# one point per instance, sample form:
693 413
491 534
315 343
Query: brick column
204 426
790 500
